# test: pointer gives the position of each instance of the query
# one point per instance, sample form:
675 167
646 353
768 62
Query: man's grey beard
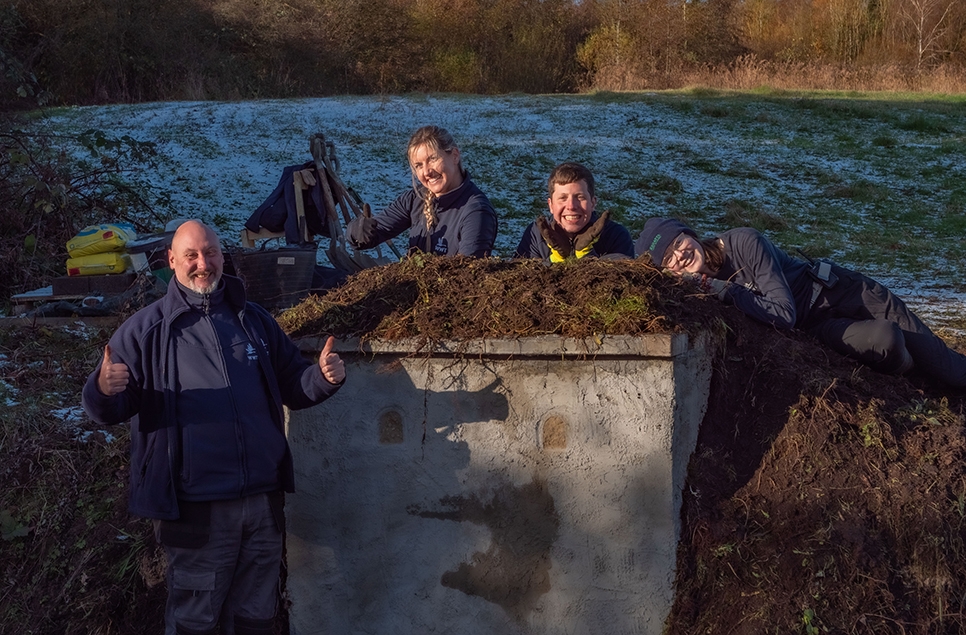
195 286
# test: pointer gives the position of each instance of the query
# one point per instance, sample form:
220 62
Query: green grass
740 213
953 146
656 182
921 123
861 191
884 141
705 165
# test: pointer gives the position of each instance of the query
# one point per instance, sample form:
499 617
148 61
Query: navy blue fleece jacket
769 285
467 223
205 399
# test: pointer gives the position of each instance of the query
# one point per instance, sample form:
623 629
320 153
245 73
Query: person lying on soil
445 213
574 229
849 312
203 375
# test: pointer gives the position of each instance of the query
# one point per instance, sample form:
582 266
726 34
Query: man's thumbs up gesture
331 364
112 378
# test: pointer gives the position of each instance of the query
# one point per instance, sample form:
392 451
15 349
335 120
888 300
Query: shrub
48 195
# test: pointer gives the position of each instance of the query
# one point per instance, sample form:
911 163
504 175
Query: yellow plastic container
98 264
99 239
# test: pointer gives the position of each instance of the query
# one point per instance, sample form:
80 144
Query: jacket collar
175 302
447 200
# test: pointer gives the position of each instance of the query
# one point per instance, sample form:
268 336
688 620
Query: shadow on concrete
515 570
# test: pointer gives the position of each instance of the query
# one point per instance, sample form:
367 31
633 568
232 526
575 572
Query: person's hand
694 278
333 369
112 378
362 229
556 238
715 286
707 284
589 235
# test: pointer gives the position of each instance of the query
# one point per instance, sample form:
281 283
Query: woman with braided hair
445 213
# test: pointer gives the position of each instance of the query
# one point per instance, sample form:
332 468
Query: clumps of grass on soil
431 299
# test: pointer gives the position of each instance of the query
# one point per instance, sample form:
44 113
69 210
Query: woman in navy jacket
445 213
851 313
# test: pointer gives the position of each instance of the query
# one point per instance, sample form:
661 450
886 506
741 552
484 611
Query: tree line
97 51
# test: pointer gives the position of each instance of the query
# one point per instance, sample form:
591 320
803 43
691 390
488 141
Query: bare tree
927 21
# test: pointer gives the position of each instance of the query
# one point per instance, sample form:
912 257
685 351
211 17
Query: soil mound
435 298
822 497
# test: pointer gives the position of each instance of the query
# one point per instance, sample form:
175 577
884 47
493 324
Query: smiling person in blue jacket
445 213
849 312
574 229
203 375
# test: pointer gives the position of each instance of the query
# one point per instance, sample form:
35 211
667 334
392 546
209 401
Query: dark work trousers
227 575
860 318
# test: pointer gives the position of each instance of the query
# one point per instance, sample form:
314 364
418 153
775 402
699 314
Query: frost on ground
75 420
875 186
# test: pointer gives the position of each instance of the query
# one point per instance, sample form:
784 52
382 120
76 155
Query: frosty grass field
876 185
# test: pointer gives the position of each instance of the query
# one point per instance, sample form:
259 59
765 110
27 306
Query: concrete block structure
527 486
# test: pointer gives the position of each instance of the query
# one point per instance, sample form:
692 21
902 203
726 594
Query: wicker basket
276 278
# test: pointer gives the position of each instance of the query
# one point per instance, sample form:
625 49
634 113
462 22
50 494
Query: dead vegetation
73 560
822 497
432 298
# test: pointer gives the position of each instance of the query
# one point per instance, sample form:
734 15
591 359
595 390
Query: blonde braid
430 206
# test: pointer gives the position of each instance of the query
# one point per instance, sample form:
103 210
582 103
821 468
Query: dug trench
821 497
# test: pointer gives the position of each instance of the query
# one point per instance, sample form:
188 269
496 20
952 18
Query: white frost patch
8 392
72 416
79 329
84 435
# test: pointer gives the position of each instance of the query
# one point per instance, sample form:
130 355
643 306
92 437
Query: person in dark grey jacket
203 376
574 229
849 312
445 212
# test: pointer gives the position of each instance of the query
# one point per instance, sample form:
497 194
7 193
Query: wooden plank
106 321
249 237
